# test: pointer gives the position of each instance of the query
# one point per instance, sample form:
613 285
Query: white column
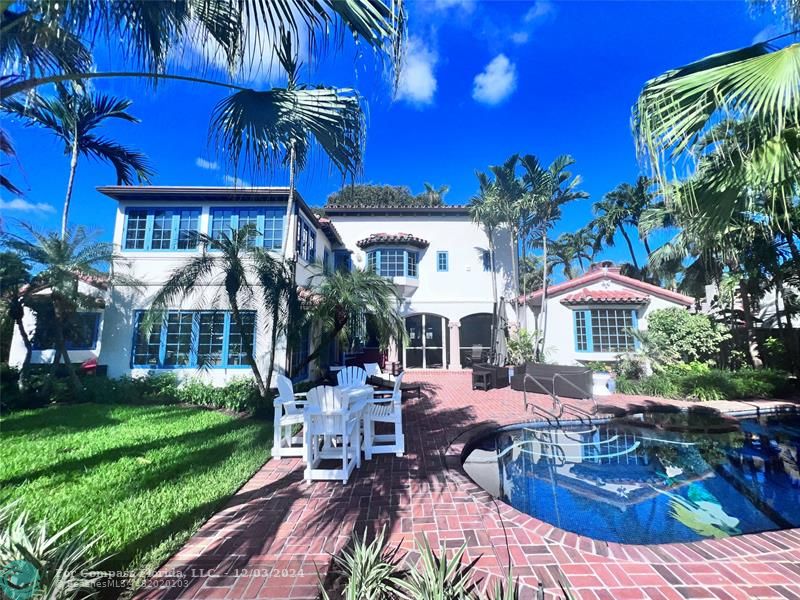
455 343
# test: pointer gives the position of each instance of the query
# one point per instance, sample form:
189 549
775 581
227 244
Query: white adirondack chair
288 414
372 369
332 431
386 407
352 377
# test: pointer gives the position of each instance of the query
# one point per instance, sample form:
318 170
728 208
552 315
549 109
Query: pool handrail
556 402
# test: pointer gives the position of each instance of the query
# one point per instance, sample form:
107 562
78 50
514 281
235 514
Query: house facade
437 258
589 318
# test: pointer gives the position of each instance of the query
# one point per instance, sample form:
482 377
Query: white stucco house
589 317
436 257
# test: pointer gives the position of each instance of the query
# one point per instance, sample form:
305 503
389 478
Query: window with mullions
393 262
267 221
605 330
306 241
192 339
80 333
442 262
161 229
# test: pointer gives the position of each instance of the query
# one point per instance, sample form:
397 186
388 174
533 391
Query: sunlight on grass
142 477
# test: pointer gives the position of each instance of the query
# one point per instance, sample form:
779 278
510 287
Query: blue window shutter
260 226
173 240
162 341
589 339
148 235
226 337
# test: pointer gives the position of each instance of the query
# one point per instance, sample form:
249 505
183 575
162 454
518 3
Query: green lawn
142 477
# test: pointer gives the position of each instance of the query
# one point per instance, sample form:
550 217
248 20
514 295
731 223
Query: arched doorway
475 335
427 346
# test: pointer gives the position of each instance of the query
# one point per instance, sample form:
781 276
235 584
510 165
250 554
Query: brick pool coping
274 537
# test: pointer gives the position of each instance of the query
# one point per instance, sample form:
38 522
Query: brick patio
275 536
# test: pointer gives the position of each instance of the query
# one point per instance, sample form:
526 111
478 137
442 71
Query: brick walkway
274 537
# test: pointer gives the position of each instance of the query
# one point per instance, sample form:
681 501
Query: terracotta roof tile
586 296
405 239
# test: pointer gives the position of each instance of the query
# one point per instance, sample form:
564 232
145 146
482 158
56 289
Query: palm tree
758 86
248 277
61 262
571 247
148 31
330 118
15 279
73 115
620 208
433 195
484 211
547 191
508 191
340 302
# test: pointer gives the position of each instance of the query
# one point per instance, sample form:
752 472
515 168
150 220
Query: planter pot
600 384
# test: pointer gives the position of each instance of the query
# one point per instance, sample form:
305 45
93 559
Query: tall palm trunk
646 246
290 231
273 342
514 261
247 346
495 323
752 343
73 166
630 246
61 346
543 313
24 374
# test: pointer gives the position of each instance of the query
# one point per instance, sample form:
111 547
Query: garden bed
144 478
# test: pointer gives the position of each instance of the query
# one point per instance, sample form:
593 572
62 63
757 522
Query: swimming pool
648 478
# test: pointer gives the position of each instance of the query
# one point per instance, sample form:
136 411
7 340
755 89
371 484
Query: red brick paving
275 536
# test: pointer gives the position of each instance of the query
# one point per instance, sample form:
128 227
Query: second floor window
442 261
487 260
267 224
306 241
161 229
393 262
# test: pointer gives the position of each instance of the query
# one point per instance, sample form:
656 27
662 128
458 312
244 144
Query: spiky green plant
64 567
368 569
438 577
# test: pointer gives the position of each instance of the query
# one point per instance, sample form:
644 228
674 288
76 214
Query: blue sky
483 80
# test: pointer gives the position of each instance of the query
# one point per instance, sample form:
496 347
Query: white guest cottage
437 258
589 318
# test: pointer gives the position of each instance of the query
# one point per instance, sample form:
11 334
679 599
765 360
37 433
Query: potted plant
601 378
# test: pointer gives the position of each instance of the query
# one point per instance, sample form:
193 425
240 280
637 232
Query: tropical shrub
52 567
698 381
675 335
630 366
521 347
368 571
155 388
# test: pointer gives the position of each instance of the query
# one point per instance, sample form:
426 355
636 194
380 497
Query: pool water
649 478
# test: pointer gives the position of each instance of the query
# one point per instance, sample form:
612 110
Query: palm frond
258 127
131 166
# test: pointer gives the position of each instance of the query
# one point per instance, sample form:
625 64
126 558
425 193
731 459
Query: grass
142 477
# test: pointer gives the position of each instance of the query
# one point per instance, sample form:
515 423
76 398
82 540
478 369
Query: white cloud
22 205
520 37
496 82
207 165
465 5
418 80
235 181
540 10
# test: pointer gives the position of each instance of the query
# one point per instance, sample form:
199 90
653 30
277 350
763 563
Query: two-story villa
437 258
